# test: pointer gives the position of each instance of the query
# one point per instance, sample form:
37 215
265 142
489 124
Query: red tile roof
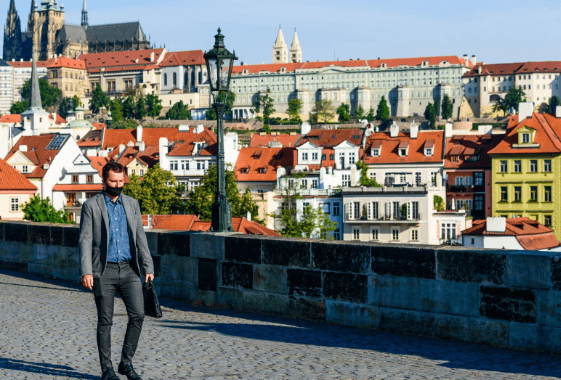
115 137
99 126
464 146
501 69
548 132
11 179
27 63
66 62
36 153
418 61
262 163
91 139
150 136
183 58
416 151
149 157
59 119
10 119
121 60
98 163
328 138
78 187
260 141
186 148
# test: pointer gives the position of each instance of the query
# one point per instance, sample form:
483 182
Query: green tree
267 103
42 210
430 114
552 105
382 111
19 107
323 111
360 113
64 105
98 100
76 102
179 111
294 110
116 110
515 96
202 197
344 112
157 193
364 180
370 116
140 109
438 203
447 107
153 105
50 95
129 107
125 124
211 114
501 106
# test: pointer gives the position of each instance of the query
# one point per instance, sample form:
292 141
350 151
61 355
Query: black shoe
109 375
128 371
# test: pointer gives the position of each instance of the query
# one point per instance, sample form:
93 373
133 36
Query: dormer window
525 138
375 152
304 156
263 170
428 152
245 170
403 152
403 148
454 158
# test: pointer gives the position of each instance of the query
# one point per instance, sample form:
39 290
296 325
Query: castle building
281 52
47 34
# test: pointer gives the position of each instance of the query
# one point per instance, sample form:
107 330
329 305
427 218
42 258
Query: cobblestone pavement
47 331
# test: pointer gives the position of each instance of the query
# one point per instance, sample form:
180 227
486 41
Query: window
459 181
304 156
74 179
403 152
547 166
517 193
448 231
304 183
478 178
356 234
173 165
415 210
433 178
336 208
547 193
415 235
547 220
375 152
468 181
25 169
478 202
418 178
395 234
469 204
375 234
503 167
533 166
14 204
337 234
314 156
346 180
314 183
517 166
533 193
504 194
141 172
351 158
326 207
428 151
525 138
89 178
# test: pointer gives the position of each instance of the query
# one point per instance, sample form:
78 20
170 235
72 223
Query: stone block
474 330
2 236
244 249
345 287
549 339
462 265
157 265
305 308
265 302
549 308
208 274
40 269
16 231
304 283
514 305
208 245
48 254
402 261
342 257
230 297
406 321
72 256
424 295
152 239
25 252
14 266
39 233
350 314
208 297
555 272
522 336
178 268
9 251
181 291
270 278
71 236
237 275
173 243
286 252
56 235
528 271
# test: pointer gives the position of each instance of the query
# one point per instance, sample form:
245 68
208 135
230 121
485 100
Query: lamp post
219 63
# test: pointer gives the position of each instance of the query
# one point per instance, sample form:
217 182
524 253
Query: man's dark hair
112 166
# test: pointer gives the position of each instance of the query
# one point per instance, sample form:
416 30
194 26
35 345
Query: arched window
185 78
174 79
494 98
200 77
165 79
193 78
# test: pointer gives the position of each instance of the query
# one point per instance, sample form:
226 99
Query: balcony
383 218
459 189
394 189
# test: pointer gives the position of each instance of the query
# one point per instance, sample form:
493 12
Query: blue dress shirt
119 244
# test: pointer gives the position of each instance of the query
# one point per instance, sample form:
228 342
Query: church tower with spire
44 23
295 49
280 49
84 15
12 35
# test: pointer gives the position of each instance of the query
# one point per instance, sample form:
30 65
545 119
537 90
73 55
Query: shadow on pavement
43 369
454 355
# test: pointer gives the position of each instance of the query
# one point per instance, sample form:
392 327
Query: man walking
113 249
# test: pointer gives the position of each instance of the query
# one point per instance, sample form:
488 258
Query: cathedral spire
295 49
280 49
84 15
34 92
12 34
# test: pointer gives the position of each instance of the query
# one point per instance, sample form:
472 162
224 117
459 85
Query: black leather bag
151 304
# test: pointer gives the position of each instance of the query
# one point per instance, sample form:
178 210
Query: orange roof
66 62
329 138
261 163
464 146
183 58
27 63
374 63
498 69
59 119
115 137
186 148
99 126
121 60
98 163
10 119
92 138
416 152
150 155
36 153
78 187
259 141
548 132
151 136
11 179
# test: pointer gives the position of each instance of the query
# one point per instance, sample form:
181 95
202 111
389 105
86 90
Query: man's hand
149 277
87 281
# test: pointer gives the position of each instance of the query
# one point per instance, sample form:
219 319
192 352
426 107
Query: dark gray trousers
121 278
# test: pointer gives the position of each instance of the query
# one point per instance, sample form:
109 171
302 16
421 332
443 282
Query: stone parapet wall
501 298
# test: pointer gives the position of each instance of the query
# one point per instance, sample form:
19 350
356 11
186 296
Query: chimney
141 146
200 128
305 128
23 148
525 109
413 130
473 60
479 70
466 60
152 57
139 130
248 216
183 128
558 111
394 129
495 224
163 150
448 131
121 149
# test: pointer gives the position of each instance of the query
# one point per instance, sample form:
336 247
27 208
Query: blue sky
495 31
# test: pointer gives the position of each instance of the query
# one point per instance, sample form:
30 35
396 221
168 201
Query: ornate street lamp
219 63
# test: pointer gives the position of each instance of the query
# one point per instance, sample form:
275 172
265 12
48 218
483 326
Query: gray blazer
94 237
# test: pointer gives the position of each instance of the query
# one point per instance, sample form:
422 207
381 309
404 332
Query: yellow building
69 75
